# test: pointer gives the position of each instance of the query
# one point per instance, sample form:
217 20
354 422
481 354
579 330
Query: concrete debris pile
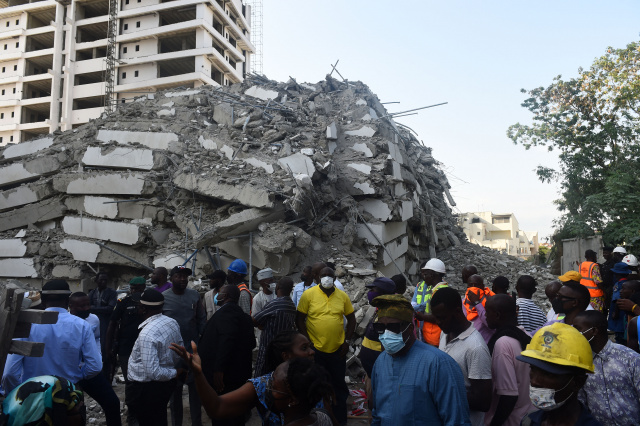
279 174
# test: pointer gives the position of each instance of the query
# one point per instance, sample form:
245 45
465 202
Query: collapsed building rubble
278 174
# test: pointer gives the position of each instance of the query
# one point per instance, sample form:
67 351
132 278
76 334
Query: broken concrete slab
385 232
395 249
364 131
362 168
377 208
95 206
223 114
259 164
119 232
239 223
102 183
364 148
67 271
182 93
260 93
18 268
25 194
119 158
166 112
153 140
298 164
27 148
88 251
391 269
28 170
84 251
332 131
363 188
13 247
248 195
32 214
207 143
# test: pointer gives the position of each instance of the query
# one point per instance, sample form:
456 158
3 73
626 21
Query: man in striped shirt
277 315
530 316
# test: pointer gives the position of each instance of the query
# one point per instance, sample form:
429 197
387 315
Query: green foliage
543 253
593 122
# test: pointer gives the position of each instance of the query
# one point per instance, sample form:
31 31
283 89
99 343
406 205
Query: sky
475 55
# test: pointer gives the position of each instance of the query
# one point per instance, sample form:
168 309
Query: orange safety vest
430 331
243 287
586 270
472 312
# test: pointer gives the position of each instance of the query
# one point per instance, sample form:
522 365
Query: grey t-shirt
188 311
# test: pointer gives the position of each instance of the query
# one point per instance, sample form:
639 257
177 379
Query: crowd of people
485 357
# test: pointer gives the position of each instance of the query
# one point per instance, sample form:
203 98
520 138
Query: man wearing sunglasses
413 381
572 298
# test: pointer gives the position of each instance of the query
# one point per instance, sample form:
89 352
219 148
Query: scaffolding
256 34
110 69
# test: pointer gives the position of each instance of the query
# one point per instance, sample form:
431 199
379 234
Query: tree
593 121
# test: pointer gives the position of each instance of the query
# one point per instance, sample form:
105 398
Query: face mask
272 287
326 282
587 331
557 306
215 299
372 294
544 399
82 314
392 342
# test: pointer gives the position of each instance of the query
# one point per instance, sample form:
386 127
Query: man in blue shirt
70 349
413 383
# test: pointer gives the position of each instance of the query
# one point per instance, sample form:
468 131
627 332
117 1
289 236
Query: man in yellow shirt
320 317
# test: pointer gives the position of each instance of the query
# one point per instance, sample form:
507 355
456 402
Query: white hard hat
630 260
435 265
619 250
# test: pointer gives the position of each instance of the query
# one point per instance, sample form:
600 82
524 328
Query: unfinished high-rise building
54 56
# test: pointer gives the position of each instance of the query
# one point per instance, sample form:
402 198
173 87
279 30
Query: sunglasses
563 298
395 327
269 388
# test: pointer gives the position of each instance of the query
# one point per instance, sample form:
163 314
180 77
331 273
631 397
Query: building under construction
62 62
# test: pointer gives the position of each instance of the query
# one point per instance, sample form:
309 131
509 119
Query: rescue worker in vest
592 280
433 273
236 275
473 303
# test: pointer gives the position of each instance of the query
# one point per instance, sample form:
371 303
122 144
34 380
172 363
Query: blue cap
238 266
385 284
621 268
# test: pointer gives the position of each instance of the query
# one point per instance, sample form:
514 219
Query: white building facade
500 232
52 56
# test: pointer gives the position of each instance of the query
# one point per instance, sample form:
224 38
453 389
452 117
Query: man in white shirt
152 365
267 292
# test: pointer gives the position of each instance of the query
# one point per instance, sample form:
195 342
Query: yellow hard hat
561 345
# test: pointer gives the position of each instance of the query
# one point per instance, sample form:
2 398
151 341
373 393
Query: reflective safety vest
472 312
586 270
243 287
430 331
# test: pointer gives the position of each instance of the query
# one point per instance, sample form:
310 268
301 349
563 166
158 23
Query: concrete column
56 85
69 68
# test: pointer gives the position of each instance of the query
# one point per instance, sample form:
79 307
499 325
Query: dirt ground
95 416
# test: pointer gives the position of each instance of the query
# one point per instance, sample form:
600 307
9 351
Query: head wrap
393 306
263 274
56 287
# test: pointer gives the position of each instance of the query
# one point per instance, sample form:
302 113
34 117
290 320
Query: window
1 115
475 220
13 114
139 1
138 24
14 89
3 92
7 23
15 68
3 69
126 27
0 139
124 75
501 219
126 2
135 74
11 139
478 233
17 44
17 22
5 47
124 50
137 47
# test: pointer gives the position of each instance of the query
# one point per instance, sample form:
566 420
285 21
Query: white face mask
272 287
589 329
326 282
544 399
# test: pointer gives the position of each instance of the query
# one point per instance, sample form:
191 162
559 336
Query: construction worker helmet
238 266
435 265
559 344
630 260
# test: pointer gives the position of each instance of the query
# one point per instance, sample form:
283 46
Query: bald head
501 311
467 271
551 289
475 281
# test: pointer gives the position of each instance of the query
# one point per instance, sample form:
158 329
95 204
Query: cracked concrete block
119 232
227 151
32 214
377 208
385 232
298 164
259 164
95 206
25 194
166 112
168 261
67 271
182 93
88 251
260 93
29 170
13 247
239 223
27 148
364 188
84 251
362 168
364 131
361 102
107 184
280 263
407 210
119 158
397 170
18 268
153 140
207 143
395 249
332 131
394 152
248 195
223 114
364 148
391 269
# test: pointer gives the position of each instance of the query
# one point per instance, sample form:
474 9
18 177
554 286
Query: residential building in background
52 56
500 232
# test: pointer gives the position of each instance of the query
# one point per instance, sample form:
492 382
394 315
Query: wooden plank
36 316
21 347
10 303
